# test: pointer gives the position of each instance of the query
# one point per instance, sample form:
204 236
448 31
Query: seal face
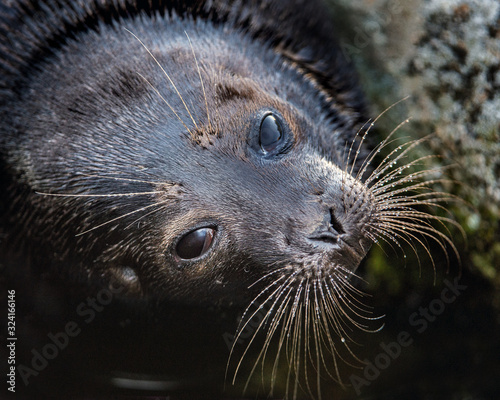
183 160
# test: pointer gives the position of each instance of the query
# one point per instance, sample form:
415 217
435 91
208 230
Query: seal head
186 162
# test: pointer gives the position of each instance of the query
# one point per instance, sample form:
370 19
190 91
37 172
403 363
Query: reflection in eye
195 243
270 134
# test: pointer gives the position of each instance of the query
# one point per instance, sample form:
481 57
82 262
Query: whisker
351 295
309 322
402 229
268 313
100 195
342 314
329 344
116 178
380 146
389 238
370 124
162 205
390 160
317 340
118 218
407 178
390 191
267 275
167 103
273 326
369 128
373 153
294 348
352 274
285 329
201 81
424 229
282 289
165 73
419 216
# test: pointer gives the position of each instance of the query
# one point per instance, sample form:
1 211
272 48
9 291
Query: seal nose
329 231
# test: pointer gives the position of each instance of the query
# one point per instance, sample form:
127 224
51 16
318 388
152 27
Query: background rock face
445 55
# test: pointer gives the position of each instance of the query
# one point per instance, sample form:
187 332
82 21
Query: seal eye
195 243
271 133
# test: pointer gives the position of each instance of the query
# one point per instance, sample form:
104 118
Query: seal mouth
331 253
327 238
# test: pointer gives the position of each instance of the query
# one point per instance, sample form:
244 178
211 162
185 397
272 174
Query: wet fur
117 93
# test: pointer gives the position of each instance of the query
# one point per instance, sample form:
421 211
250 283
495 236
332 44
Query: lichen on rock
445 55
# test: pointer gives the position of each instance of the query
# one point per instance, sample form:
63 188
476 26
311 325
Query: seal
235 161
195 152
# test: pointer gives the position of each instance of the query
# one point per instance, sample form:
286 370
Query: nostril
335 226
330 232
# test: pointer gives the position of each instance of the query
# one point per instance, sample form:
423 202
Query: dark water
454 350
440 341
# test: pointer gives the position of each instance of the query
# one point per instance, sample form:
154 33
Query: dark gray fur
77 118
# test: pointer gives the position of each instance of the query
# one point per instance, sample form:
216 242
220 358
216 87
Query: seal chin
348 257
